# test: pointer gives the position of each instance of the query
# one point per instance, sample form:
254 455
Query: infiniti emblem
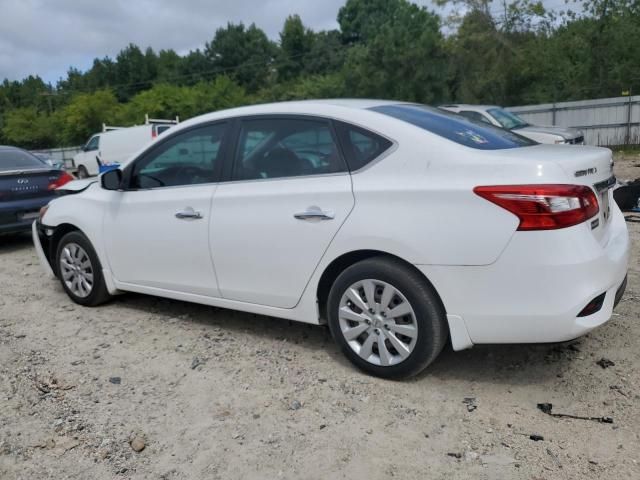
23 180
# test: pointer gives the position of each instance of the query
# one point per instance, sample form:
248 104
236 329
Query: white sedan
500 117
399 225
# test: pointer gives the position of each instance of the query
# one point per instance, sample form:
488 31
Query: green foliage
383 48
243 53
85 114
403 57
295 45
29 128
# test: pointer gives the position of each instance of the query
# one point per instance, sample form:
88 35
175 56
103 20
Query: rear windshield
11 159
455 127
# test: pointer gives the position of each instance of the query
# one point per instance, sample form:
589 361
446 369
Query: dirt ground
207 393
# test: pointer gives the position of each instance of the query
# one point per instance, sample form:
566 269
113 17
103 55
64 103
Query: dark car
26 185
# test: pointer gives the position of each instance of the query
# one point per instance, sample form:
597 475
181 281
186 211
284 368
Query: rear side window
279 147
456 128
360 146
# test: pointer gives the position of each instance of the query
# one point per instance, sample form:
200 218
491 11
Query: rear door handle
188 213
315 213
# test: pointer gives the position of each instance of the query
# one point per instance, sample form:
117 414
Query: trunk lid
27 183
583 165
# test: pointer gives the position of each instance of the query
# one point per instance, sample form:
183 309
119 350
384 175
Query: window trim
340 124
228 170
127 172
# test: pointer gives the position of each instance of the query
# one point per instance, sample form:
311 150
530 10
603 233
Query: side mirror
111 180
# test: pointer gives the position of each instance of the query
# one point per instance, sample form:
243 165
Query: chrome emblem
588 171
23 180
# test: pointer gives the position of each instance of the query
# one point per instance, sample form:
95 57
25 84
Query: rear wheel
82 172
79 270
386 318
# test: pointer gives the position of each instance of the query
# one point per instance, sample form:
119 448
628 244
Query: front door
157 230
288 196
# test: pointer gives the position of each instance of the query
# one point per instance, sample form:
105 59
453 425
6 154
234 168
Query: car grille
576 141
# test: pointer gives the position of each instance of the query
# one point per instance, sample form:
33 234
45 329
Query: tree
245 54
402 57
296 42
28 128
86 113
327 53
135 71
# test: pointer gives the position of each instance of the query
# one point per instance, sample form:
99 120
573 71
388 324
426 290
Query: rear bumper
12 211
537 288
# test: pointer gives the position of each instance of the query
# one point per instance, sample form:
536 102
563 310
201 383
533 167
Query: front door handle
188 213
315 213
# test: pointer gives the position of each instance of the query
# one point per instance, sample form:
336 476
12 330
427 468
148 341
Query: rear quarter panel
418 201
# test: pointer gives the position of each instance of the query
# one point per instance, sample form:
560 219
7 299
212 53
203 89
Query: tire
82 172
79 270
421 333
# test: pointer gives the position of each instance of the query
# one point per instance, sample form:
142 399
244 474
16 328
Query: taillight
61 180
544 207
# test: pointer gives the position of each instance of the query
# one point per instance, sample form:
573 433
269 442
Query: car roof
309 107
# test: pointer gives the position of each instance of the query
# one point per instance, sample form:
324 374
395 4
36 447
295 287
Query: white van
114 145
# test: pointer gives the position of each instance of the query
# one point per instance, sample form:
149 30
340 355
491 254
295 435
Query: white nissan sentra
399 225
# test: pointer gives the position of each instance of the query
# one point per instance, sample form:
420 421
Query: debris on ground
457 455
195 363
295 405
137 443
536 438
50 385
115 380
470 402
548 407
605 363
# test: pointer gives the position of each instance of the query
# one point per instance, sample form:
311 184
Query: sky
46 37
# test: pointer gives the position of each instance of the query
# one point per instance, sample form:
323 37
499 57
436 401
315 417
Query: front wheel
386 317
79 270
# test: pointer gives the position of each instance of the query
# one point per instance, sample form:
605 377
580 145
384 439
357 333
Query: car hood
566 133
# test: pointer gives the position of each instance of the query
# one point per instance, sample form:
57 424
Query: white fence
606 121
64 155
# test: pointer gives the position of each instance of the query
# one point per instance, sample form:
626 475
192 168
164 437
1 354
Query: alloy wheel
378 322
76 270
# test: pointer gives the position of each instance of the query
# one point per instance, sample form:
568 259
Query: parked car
505 119
115 145
26 184
398 224
48 160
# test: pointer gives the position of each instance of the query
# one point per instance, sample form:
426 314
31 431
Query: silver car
503 118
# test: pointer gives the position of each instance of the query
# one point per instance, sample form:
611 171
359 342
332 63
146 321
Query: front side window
189 158
507 119
278 147
92 144
455 128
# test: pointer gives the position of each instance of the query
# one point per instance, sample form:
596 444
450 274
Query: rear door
287 195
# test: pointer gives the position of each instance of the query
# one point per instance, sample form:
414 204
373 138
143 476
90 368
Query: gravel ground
147 388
